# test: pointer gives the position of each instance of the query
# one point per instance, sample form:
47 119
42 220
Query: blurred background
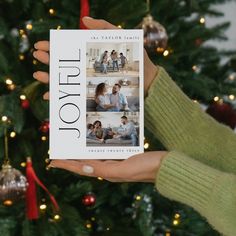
193 39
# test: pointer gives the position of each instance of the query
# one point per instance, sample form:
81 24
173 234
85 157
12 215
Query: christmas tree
95 206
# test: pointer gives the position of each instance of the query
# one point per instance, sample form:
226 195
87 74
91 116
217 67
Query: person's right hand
42 54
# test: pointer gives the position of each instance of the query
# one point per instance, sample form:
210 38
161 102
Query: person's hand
138 168
42 54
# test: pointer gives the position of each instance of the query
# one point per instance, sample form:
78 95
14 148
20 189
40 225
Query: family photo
113 94
112 59
112 129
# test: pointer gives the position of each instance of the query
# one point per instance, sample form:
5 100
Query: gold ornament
155 36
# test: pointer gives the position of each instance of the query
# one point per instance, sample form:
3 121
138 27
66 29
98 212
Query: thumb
91 23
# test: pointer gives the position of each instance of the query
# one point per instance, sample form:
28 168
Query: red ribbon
31 197
84 11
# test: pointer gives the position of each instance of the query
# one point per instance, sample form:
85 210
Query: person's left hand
138 168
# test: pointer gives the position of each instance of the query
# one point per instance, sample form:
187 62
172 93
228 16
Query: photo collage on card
112 96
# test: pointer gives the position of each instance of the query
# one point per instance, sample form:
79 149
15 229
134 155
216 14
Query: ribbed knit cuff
183 179
166 107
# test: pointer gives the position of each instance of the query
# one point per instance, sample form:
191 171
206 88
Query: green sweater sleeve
180 124
211 192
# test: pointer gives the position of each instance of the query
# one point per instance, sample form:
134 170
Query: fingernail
34 54
87 17
34 74
35 45
87 169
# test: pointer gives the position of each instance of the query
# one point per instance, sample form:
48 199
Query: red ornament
44 127
223 113
25 104
89 199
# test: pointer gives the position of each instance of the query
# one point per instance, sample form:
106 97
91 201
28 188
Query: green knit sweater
200 169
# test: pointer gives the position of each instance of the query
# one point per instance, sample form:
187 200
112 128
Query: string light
216 99
21 31
202 20
24 36
175 222
13 134
231 97
195 101
167 234
11 86
108 229
119 26
138 198
232 76
43 138
88 225
8 202
51 11
21 57
93 218
146 145
56 217
4 118
177 216
47 161
8 81
160 50
35 62
43 207
22 97
165 53
58 27
29 26
100 178
23 164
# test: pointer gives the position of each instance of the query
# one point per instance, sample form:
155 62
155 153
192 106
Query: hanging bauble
13 185
155 36
89 199
44 128
25 104
223 113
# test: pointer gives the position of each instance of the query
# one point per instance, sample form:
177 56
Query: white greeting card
96 94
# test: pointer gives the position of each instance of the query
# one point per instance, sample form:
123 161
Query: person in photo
128 131
123 61
102 98
118 99
98 131
90 131
114 58
104 62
